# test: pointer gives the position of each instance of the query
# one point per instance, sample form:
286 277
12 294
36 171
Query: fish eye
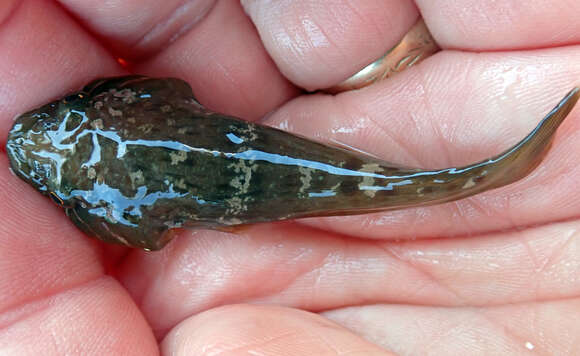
44 122
73 97
48 124
37 168
56 199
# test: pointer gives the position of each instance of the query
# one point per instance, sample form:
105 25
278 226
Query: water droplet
529 345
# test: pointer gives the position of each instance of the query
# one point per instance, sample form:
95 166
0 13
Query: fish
133 159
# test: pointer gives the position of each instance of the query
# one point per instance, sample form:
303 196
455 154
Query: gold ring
414 47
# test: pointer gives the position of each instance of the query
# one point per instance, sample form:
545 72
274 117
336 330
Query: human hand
492 274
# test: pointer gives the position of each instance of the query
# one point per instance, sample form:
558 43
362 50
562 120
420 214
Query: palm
504 279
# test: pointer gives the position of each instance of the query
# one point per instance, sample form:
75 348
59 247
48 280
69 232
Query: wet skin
133 158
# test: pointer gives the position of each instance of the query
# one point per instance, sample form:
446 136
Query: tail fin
438 186
526 155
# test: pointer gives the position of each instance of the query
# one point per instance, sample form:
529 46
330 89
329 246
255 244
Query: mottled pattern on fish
131 158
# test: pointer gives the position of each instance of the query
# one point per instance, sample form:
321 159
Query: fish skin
133 158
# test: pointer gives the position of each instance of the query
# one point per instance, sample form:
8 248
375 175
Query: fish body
133 158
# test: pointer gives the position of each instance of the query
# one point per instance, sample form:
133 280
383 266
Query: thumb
263 330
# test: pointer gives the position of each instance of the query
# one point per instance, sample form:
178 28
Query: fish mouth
15 145
21 143
19 158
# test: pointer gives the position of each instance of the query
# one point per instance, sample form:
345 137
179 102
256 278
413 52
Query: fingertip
7 8
225 63
44 54
476 25
317 46
263 330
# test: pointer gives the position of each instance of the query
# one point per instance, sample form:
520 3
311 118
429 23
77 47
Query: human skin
493 274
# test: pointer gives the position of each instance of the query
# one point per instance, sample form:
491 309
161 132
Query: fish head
37 144
67 150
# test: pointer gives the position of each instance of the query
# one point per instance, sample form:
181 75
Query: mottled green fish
132 158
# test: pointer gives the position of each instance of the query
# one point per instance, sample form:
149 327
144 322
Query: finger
249 330
43 55
541 328
484 26
54 297
137 28
225 63
214 47
320 46
40 248
96 318
290 265
451 111
52 283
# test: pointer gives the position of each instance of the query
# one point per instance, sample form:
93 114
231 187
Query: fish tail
520 160
439 186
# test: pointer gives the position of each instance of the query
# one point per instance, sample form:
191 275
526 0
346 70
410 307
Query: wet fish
133 158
